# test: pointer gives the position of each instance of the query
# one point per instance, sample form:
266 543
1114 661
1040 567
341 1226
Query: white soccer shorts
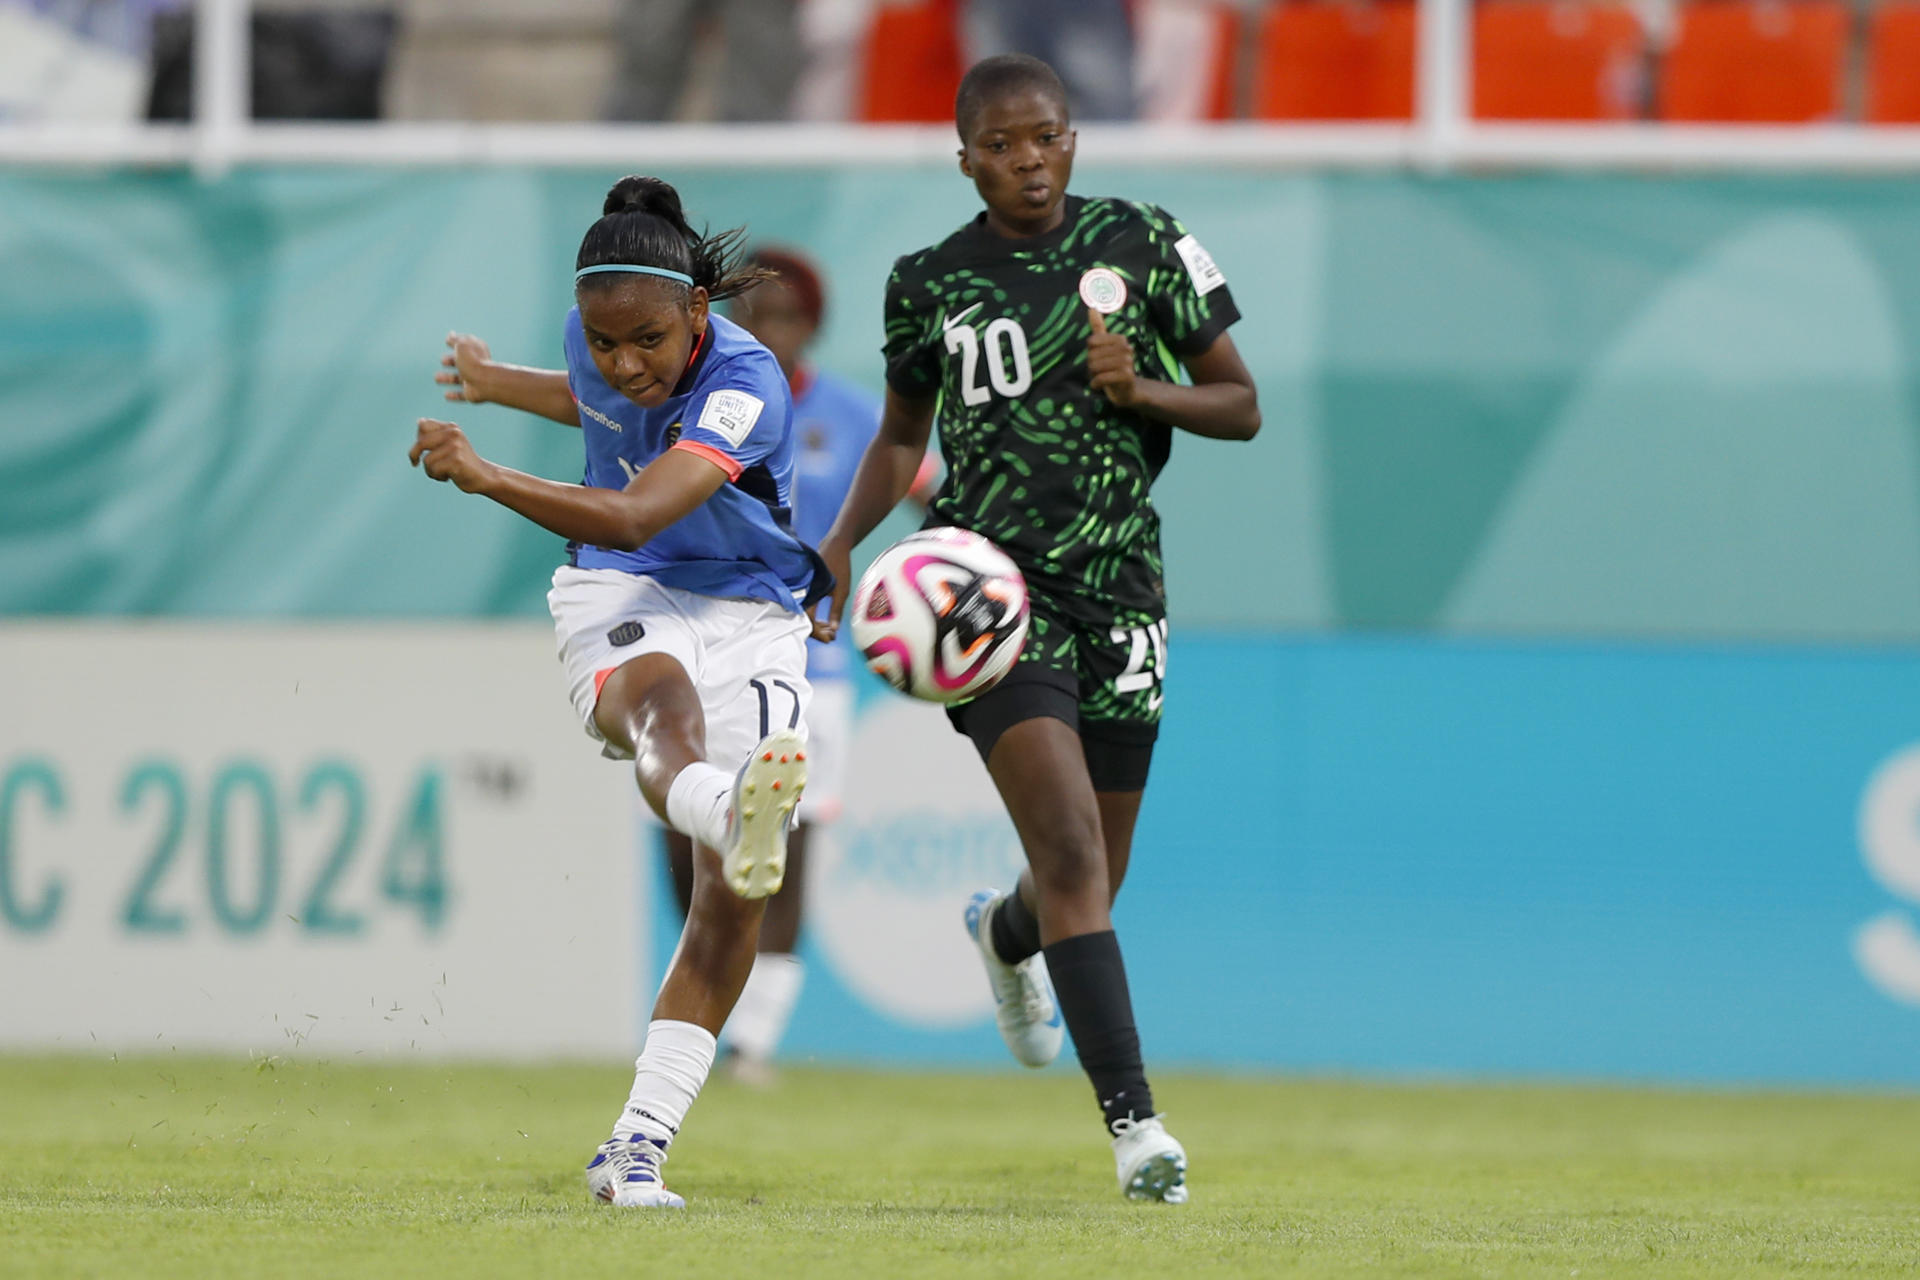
747 658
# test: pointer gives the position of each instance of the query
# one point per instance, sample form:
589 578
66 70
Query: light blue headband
662 272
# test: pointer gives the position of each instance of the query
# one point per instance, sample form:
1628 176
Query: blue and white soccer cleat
1152 1165
625 1173
766 792
1024 1007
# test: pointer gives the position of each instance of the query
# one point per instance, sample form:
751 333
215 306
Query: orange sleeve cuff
727 464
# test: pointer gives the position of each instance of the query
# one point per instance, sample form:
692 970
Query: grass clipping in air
163 1166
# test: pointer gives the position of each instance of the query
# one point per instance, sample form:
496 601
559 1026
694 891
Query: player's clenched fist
443 451
1110 362
464 368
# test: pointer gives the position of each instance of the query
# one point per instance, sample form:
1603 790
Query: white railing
1442 136
222 80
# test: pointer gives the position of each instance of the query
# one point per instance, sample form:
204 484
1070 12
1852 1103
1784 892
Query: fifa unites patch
1205 273
626 633
730 414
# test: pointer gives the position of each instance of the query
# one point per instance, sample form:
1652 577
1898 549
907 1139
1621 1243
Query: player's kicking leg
738 821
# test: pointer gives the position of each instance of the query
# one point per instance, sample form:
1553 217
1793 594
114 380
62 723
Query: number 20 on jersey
1008 368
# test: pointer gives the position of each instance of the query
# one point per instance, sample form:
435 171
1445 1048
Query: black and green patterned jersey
1036 459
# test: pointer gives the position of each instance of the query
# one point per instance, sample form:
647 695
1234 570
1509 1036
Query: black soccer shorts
1104 682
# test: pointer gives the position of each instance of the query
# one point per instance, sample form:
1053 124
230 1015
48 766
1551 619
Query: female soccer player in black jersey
1049 332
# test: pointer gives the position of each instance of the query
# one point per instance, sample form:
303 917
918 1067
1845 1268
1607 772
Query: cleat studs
767 756
800 755
776 786
749 788
783 759
747 813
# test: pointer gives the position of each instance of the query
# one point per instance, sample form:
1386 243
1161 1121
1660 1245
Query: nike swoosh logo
951 321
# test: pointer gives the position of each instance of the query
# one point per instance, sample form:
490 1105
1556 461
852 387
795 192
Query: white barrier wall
387 838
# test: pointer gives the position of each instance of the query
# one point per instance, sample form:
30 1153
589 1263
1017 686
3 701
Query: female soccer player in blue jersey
682 612
833 422
1052 332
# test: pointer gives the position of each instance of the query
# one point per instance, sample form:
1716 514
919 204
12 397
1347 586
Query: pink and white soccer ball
941 615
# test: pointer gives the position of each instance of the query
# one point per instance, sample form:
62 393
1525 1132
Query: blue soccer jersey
733 408
833 422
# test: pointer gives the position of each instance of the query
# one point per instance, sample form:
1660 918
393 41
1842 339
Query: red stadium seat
913 63
1756 61
1556 60
1220 68
1893 68
1226 42
1336 60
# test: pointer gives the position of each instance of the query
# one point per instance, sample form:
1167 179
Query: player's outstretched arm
473 376
886 474
619 519
1221 403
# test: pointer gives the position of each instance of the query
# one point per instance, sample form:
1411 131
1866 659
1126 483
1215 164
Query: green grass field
167 1166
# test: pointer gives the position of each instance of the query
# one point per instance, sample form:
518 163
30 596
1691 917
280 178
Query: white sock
667 1076
760 1018
697 803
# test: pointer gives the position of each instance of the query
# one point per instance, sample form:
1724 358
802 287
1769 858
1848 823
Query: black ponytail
643 225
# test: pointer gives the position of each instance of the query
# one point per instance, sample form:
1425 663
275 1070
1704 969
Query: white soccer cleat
625 1173
1024 1007
1152 1165
765 793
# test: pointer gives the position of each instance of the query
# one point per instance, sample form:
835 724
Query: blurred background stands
1696 61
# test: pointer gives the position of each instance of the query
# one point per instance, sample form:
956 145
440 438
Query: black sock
1090 982
1016 934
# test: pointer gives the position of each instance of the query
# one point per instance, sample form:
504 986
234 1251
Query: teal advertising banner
1599 406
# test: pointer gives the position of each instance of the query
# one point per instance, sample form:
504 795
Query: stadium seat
1556 60
1893 66
1756 61
1336 60
913 63
1220 81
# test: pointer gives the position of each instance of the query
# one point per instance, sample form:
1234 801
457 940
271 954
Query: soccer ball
941 615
